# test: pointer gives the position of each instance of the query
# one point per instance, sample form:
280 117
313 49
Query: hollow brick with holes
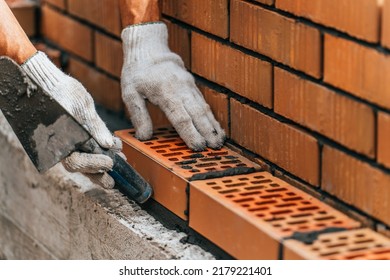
248 215
168 164
359 244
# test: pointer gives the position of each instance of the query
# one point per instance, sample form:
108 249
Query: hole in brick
277 225
243 200
303 227
271 196
241 164
324 218
266 202
274 185
162 129
211 183
297 222
186 167
172 154
260 215
243 179
160 147
327 254
236 185
306 202
360 235
195 170
230 157
258 209
292 198
216 188
258 177
285 205
181 144
310 208
320 225
286 229
228 191
206 164
161 151
221 153
378 245
357 249
148 143
245 205
382 251
291 194
280 212
343 238
178 149
173 159
230 196
364 241
208 159
261 182
337 245
166 141
276 190
315 249
254 188
301 215
250 193
230 161
322 212
351 257
227 181
273 219
337 222
170 136
210 169
226 167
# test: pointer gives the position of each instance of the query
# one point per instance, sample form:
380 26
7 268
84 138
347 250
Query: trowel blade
46 131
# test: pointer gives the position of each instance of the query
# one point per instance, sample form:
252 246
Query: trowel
48 133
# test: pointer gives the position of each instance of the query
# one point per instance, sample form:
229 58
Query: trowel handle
128 181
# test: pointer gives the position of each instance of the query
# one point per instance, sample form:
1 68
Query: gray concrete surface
59 215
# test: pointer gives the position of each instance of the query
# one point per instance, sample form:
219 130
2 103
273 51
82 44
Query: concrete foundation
59 215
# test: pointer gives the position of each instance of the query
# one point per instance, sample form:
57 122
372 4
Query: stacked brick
301 84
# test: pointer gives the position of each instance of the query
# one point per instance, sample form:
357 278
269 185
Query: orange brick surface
384 138
103 13
58 3
359 18
211 16
268 2
342 119
168 164
108 54
360 70
104 90
282 39
385 35
359 244
180 42
242 73
247 215
357 183
67 33
282 144
219 106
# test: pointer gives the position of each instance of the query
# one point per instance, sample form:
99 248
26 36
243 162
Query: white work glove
152 71
75 99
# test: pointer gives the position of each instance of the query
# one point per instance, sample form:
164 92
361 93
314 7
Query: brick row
280 38
284 145
242 73
358 18
108 54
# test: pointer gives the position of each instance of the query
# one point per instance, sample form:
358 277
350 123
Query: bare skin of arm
139 11
14 43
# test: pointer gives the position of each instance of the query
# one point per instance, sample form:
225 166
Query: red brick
103 13
219 104
25 12
180 42
67 33
282 39
362 71
57 3
268 2
357 183
104 90
359 18
386 24
241 73
210 16
108 54
248 215
342 119
282 144
384 138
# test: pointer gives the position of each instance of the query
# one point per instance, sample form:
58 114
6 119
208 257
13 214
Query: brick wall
300 85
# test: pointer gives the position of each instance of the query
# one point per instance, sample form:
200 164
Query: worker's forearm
14 43
139 11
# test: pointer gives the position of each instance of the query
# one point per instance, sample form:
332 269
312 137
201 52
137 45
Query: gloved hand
75 99
152 71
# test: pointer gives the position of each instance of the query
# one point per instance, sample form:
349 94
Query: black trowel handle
128 181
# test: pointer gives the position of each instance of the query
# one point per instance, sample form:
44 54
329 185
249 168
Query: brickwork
302 85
